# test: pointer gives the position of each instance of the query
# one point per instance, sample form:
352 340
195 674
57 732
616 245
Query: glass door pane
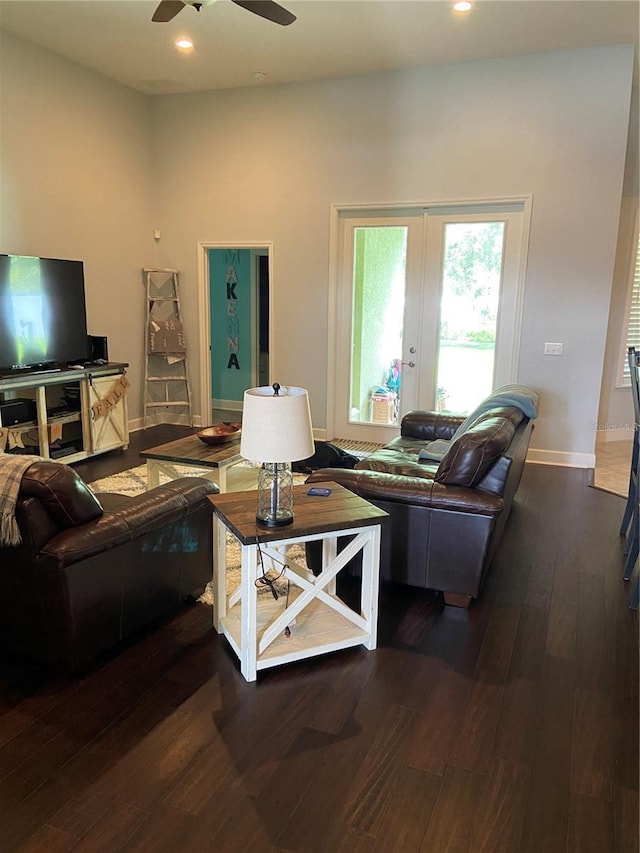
425 312
379 280
471 280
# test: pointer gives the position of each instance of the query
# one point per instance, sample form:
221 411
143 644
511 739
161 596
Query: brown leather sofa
92 570
447 513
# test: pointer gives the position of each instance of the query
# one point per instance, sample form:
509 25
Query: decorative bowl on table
219 433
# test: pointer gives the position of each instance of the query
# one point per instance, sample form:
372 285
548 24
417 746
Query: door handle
409 363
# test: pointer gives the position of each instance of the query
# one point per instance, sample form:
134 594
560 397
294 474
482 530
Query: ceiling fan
168 9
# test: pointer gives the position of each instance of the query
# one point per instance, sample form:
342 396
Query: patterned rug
131 482
134 481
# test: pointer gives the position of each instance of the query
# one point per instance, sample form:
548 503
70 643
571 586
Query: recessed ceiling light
184 44
462 6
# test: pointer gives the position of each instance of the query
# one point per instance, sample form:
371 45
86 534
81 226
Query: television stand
58 431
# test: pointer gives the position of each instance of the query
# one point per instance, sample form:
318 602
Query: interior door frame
204 323
387 208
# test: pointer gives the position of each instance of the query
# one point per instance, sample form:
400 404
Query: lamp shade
276 427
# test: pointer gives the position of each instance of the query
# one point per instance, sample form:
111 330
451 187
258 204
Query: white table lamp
276 430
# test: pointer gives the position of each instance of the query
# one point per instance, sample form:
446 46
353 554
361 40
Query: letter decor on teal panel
230 287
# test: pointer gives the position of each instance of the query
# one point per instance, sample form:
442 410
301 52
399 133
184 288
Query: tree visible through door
427 312
472 271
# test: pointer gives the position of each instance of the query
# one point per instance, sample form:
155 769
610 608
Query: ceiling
331 38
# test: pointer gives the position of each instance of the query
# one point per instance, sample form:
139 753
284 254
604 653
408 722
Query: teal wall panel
230 285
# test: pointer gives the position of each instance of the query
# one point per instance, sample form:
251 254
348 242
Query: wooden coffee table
190 451
318 620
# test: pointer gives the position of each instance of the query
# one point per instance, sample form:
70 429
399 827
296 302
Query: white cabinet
65 415
106 406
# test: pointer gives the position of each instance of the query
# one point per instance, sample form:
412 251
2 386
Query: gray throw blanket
520 396
11 470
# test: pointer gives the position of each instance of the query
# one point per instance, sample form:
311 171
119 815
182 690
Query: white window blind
633 312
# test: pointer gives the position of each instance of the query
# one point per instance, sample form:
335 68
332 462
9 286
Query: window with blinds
633 311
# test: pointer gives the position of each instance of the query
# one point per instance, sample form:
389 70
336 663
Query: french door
425 311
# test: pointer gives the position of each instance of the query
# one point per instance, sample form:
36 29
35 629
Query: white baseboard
566 458
227 405
623 434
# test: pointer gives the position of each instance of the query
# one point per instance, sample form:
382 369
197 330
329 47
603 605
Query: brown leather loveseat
92 570
448 484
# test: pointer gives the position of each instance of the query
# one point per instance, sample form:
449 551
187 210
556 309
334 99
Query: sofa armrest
418 491
127 519
429 426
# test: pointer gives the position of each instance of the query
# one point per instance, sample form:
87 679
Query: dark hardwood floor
121 460
511 727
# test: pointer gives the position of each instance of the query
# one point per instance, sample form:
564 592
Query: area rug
134 481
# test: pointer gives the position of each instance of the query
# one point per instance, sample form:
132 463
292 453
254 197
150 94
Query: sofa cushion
391 461
434 451
62 492
472 454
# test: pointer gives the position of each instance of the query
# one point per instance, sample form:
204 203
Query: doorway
426 306
234 284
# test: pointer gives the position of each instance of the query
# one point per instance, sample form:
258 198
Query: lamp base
281 519
275 495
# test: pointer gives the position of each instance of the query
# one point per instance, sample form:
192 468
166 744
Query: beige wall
77 181
90 168
266 164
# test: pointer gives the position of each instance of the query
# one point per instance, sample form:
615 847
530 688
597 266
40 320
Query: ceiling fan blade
267 9
167 10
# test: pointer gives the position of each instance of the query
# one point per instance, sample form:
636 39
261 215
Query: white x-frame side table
319 620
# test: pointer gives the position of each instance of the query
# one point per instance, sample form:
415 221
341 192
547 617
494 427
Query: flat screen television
43 321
